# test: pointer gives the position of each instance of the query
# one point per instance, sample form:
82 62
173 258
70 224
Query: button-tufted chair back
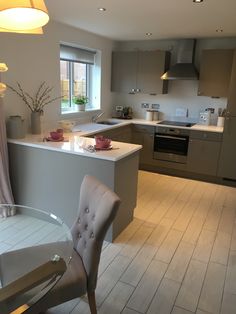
97 209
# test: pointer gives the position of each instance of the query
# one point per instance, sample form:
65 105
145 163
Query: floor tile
164 298
147 287
212 291
191 287
178 266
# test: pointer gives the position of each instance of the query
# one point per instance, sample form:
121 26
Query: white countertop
91 128
76 142
197 127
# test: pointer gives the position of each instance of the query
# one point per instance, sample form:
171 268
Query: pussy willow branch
39 90
41 99
53 99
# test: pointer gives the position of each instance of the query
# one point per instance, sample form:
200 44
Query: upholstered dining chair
97 209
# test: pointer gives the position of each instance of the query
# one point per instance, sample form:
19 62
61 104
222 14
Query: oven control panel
171 130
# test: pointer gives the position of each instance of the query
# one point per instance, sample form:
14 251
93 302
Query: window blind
77 54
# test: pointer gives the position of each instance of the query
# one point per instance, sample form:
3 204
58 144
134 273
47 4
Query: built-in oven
171 144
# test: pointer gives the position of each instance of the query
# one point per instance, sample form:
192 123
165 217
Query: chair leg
92 302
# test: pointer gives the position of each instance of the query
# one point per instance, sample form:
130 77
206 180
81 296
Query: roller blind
77 54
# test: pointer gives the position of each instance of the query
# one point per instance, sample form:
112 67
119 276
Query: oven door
171 147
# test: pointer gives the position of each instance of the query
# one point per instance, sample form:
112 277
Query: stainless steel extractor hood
184 69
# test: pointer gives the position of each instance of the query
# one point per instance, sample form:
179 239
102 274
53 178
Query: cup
55 135
102 142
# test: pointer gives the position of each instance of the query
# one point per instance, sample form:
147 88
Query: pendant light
23 16
3 68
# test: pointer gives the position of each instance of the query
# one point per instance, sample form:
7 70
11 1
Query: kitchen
181 94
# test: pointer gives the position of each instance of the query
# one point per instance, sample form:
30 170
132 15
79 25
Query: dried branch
39 101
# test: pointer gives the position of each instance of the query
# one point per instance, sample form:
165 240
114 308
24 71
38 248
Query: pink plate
50 139
104 148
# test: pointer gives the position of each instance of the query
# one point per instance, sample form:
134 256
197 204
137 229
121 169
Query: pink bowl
56 135
102 142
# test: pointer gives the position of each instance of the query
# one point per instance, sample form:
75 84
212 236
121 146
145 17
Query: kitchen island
48 175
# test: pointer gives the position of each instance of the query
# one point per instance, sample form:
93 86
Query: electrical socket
119 108
145 105
155 106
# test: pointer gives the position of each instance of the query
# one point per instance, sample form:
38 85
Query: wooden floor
177 256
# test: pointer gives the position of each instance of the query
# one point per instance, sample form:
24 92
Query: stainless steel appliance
171 144
184 69
177 123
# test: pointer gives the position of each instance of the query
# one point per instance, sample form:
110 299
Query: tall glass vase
36 122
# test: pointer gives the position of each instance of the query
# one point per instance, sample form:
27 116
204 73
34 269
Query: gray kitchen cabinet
231 105
227 163
144 135
124 68
203 152
139 71
119 134
215 72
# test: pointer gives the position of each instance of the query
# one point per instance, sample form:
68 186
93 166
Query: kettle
15 127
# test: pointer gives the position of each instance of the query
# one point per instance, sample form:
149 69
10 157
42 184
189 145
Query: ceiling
132 19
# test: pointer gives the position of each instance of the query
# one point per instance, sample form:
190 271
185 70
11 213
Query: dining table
35 249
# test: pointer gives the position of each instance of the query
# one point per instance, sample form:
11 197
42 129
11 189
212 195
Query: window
78 69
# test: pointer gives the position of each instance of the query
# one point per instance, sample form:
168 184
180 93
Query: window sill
74 114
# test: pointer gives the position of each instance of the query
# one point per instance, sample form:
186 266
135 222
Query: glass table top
35 245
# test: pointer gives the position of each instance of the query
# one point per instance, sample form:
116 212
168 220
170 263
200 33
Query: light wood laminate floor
177 256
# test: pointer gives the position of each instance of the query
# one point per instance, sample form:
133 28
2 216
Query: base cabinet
51 180
203 152
144 135
120 134
227 162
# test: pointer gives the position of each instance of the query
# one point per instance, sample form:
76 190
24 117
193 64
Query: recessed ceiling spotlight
197 1
102 9
148 34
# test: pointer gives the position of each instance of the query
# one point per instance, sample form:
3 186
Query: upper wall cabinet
215 72
231 106
139 71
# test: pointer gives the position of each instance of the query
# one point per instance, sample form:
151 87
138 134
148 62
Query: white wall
181 94
33 59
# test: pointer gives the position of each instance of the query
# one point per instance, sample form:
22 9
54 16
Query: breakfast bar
49 174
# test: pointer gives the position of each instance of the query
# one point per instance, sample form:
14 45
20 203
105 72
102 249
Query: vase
15 127
35 122
81 107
